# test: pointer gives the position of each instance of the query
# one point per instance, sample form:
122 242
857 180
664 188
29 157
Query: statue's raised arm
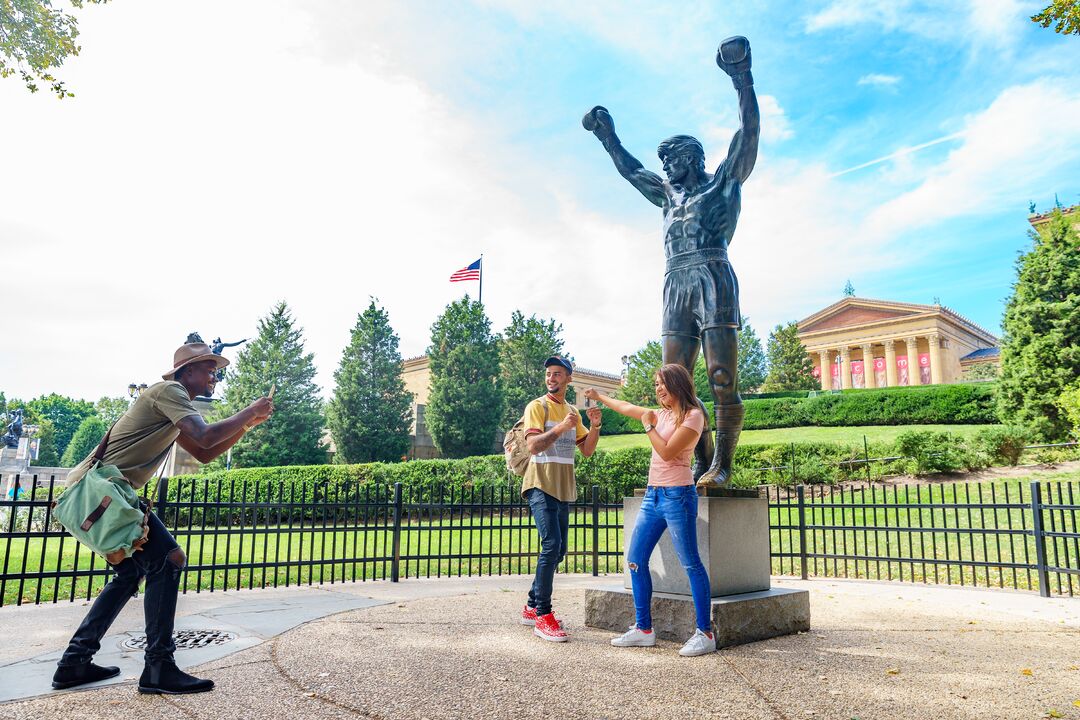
598 121
733 57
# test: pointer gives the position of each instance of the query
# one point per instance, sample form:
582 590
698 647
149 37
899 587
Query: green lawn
916 526
840 435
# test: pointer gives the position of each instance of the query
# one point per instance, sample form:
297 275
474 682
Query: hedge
960 404
616 472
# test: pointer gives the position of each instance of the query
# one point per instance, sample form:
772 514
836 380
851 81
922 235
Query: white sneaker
699 644
635 637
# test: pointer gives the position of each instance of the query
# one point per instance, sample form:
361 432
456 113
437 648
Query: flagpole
481 278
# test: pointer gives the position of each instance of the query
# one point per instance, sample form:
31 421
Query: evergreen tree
370 415
465 405
790 366
47 455
526 344
753 366
83 442
1040 350
643 364
293 434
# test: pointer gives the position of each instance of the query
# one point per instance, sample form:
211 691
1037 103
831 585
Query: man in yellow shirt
553 429
137 445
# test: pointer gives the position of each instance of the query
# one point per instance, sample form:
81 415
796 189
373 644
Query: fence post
595 530
394 565
1040 539
792 463
162 496
866 457
800 491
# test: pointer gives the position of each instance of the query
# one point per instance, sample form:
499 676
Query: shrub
932 451
1004 444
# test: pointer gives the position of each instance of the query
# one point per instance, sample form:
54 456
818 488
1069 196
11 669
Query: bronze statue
701 292
14 429
217 346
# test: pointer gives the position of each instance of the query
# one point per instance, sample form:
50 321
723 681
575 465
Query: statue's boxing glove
733 57
598 121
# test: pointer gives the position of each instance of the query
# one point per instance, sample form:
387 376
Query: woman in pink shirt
670 502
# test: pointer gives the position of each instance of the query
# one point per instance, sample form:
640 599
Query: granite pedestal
733 542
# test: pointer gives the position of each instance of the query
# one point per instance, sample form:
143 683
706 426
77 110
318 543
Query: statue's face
677 167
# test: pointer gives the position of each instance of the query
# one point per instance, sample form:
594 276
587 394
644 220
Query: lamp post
625 367
134 391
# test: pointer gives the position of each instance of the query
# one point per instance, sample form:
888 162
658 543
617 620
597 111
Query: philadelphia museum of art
863 343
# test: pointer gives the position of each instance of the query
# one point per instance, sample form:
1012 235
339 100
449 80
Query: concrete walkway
453 649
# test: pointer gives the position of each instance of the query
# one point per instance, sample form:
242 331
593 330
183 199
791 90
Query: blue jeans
552 519
160 562
674 508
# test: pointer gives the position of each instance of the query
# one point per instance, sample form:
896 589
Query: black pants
159 565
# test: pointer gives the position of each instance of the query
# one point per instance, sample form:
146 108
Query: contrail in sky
899 153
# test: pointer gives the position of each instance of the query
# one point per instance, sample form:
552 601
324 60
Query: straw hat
193 353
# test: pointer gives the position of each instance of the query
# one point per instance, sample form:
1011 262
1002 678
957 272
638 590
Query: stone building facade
864 343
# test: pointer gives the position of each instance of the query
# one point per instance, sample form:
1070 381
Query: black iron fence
1005 533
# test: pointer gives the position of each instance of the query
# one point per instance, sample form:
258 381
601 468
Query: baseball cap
561 362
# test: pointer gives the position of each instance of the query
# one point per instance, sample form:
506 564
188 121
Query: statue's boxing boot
729 422
703 451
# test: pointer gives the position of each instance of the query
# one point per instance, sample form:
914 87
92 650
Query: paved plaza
453 649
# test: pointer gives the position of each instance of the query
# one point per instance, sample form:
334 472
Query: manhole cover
185 639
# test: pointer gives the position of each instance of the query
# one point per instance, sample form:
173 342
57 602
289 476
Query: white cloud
879 80
981 24
1028 133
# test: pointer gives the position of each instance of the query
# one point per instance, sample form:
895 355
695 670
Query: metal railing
991 534
1004 533
246 535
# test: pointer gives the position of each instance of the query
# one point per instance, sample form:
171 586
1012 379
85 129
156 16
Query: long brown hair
680 388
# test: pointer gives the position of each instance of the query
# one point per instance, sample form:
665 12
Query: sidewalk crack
753 686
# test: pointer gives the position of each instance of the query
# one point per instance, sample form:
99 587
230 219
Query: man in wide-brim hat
137 444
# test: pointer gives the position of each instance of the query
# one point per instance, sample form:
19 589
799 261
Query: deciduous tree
36 38
1063 14
526 343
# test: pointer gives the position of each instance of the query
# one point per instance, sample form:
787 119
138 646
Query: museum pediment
850 313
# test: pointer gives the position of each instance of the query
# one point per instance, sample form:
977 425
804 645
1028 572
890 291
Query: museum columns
935 359
890 364
845 368
869 376
826 370
913 375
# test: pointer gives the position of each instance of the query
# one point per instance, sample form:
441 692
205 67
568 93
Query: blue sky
217 160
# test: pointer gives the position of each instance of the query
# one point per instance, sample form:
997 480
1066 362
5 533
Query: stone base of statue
733 541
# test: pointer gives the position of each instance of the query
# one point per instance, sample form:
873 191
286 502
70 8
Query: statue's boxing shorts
701 292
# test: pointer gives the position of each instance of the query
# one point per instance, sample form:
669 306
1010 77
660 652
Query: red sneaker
548 628
528 615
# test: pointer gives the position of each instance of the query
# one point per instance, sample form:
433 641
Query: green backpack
102 511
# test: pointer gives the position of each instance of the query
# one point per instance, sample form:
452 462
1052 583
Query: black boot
67 676
729 422
703 451
166 679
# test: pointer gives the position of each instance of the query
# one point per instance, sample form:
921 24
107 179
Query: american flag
472 272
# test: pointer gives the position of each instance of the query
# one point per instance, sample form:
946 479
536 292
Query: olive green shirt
141 438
